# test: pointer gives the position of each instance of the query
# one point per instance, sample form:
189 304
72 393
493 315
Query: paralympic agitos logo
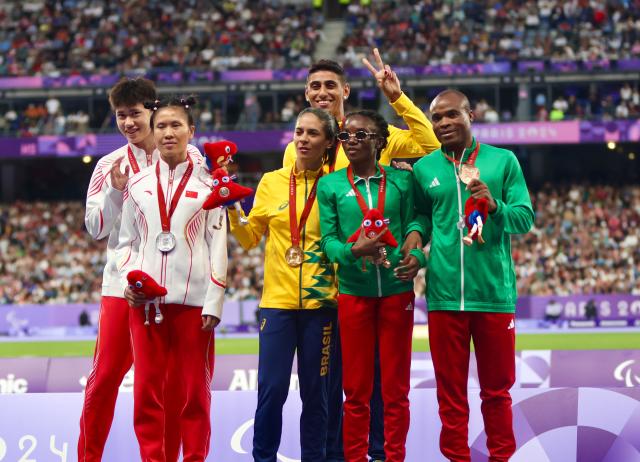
624 373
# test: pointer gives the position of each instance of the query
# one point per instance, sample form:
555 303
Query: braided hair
382 127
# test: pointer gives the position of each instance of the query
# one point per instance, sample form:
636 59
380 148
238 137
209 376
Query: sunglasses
360 135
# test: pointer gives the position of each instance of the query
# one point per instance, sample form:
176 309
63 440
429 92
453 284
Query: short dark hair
330 127
465 100
186 103
382 127
328 65
129 92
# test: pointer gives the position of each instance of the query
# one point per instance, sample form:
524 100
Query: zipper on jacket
460 230
378 277
302 238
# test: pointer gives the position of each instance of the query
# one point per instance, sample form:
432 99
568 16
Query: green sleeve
422 206
514 212
335 250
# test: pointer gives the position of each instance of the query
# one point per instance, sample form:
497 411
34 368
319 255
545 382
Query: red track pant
493 334
111 361
178 349
362 321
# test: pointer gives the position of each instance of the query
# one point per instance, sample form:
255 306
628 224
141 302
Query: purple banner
608 307
528 133
602 131
568 425
566 132
534 369
564 66
629 64
530 66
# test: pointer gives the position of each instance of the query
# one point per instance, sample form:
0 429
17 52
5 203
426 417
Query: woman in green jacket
376 295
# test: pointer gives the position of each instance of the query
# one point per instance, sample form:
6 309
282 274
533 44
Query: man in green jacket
471 288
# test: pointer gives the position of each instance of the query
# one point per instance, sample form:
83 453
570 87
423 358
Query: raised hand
387 80
119 179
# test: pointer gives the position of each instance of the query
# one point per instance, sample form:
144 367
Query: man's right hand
119 179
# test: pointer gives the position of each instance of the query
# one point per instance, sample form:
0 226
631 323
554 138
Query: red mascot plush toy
226 193
220 153
141 282
374 223
475 216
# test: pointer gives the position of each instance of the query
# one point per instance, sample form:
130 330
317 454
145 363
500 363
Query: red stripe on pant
179 349
362 320
112 359
493 335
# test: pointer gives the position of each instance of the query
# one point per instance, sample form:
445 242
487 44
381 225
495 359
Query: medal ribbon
381 191
133 162
294 226
165 219
470 160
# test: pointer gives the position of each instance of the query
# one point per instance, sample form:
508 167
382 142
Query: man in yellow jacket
328 89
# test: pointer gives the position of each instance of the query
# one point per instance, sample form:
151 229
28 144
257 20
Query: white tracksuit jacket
104 205
194 272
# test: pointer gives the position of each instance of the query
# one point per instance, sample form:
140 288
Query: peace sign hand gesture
387 79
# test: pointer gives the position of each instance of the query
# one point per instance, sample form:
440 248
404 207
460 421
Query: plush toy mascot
475 216
141 282
374 223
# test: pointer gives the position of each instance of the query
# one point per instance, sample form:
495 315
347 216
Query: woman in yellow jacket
298 305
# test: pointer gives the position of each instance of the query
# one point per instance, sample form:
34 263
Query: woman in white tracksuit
166 233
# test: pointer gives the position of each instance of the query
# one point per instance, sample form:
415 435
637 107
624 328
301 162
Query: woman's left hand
209 322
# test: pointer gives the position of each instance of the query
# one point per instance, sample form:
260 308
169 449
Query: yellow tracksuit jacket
311 285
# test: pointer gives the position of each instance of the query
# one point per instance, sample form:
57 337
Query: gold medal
293 256
468 172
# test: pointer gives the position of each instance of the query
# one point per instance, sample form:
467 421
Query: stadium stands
585 241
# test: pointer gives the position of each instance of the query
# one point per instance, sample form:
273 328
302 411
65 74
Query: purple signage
564 132
534 369
530 66
608 307
567 424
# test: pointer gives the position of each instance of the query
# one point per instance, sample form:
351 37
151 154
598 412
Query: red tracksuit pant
493 335
177 349
362 321
111 360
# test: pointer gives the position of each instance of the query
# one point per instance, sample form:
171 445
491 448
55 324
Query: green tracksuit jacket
340 216
480 277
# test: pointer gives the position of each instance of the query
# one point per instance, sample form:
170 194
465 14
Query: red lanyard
381 191
294 226
133 162
165 219
470 160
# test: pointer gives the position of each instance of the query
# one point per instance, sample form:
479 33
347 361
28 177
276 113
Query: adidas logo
512 325
409 307
351 193
434 183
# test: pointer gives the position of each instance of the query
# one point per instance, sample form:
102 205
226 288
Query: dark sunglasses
360 135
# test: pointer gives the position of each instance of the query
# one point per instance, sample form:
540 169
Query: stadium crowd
585 240
463 31
40 37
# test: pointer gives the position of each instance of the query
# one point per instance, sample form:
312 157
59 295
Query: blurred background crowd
585 241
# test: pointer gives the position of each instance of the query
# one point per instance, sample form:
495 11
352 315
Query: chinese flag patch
192 194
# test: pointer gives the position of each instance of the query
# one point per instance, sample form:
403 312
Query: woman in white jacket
166 233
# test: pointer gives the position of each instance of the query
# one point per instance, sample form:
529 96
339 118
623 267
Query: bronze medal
468 172
293 256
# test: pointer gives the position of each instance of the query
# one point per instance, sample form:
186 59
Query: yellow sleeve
417 141
289 155
250 234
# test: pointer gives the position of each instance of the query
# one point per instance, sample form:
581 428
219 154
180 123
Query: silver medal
165 241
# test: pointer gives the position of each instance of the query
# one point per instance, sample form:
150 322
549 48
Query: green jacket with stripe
480 277
341 216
